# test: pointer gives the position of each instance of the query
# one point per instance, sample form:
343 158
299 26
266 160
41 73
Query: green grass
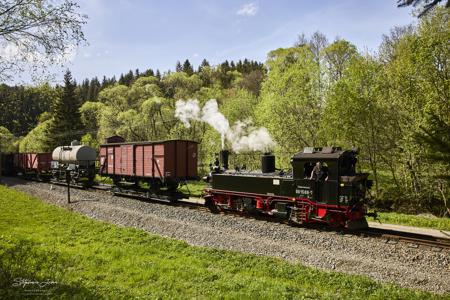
413 220
89 259
194 188
102 179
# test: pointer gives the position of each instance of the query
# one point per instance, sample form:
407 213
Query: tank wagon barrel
74 154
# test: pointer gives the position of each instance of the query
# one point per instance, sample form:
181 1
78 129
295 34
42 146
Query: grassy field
412 220
50 252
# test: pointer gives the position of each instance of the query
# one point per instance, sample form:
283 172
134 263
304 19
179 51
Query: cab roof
310 153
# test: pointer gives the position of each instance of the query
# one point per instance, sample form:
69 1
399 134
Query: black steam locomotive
322 187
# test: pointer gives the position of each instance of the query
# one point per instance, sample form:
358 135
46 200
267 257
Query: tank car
322 187
76 160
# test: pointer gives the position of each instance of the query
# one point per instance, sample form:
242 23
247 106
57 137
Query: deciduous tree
37 33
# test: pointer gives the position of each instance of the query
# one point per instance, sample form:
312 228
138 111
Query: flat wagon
162 164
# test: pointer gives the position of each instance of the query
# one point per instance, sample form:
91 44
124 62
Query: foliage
90 141
355 115
88 259
426 5
36 140
65 125
7 140
22 107
290 104
417 87
37 34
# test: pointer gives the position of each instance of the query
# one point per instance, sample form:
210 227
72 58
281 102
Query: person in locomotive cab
216 165
318 172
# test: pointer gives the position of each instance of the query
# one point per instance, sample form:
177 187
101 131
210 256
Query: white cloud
248 10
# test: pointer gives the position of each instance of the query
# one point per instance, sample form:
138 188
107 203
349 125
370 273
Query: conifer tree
66 124
204 64
178 67
121 79
187 67
94 89
149 72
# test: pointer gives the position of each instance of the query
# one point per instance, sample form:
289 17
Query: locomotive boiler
322 187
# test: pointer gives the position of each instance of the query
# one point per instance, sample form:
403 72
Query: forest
393 105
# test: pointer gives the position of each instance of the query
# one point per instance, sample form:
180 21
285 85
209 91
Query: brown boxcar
32 163
173 160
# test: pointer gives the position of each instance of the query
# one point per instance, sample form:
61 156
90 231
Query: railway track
413 239
391 236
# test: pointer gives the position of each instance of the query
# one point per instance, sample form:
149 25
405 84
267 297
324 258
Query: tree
94 89
66 123
427 5
252 81
7 140
178 67
204 64
21 106
180 85
290 106
390 42
37 139
355 116
338 56
90 115
418 76
187 67
35 34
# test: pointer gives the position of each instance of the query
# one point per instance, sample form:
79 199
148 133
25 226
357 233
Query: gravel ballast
418 268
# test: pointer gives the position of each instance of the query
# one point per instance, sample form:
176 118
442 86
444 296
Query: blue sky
126 35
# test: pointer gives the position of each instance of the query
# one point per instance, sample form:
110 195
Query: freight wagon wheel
116 181
172 185
155 185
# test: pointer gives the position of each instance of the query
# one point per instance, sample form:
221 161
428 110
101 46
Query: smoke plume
242 136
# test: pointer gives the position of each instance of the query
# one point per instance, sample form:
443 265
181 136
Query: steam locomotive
321 187
335 195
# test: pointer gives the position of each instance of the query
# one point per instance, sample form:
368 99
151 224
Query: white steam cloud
242 136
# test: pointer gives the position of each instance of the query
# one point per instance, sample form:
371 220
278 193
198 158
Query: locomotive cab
328 175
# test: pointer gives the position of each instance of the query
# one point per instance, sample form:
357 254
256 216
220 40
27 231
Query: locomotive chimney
268 163
223 156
